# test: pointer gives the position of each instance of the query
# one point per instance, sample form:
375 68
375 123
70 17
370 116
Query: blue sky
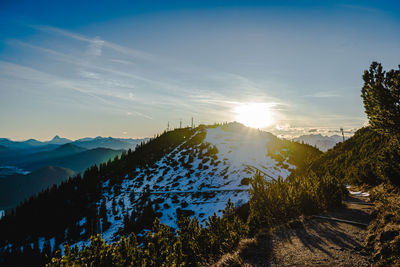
127 68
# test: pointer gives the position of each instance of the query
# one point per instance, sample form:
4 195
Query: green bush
191 245
368 157
277 201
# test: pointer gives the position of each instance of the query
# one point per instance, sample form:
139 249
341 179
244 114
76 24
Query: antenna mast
341 129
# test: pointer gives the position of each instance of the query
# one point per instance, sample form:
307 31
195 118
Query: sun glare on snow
256 115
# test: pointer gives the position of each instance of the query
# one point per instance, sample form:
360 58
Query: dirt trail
314 241
322 242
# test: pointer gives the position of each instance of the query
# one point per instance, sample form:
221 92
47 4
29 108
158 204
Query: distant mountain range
59 141
108 142
324 143
30 174
27 167
68 156
87 142
21 152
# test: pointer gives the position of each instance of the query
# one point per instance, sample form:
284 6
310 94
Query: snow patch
359 193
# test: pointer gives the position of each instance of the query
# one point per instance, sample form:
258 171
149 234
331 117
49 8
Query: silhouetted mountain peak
33 142
57 140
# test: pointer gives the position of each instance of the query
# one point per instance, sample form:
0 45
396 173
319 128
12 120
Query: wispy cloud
289 131
360 8
94 48
88 74
160 89
324 94
120 61
48 84
137 83
96 40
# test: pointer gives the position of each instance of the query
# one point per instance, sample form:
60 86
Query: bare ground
322 242
311 241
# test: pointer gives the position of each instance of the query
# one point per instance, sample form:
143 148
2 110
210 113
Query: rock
386 251
395 245
377 257
295 224
388 218
371 239
388 235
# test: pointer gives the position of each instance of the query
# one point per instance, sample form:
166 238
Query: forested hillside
361 159
16 188
184 172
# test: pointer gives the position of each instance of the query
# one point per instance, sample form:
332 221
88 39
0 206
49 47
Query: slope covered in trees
179 173
16 188
53 210
361 159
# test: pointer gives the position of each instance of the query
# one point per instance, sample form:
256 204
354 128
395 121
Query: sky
128 68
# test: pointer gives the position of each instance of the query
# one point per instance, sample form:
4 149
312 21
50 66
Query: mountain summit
59 141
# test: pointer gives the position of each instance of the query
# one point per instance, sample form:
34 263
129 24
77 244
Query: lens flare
255 115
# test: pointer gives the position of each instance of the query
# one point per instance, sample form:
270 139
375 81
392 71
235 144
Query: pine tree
46 251
160 244
381 97
189 233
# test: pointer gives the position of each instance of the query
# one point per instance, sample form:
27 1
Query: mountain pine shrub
277 201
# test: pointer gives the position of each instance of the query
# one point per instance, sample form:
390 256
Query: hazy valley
28 167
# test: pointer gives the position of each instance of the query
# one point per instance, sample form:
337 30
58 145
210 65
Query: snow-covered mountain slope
198 176
185 171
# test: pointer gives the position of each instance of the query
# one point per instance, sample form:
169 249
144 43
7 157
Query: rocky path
326 242
335 238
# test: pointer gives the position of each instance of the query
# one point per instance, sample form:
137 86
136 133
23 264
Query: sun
255 115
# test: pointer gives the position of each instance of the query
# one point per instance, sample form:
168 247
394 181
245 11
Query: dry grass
384 231
229 260
250 252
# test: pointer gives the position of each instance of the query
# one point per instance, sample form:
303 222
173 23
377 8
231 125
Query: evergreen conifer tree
381 97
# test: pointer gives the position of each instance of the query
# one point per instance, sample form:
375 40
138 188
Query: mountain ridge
322 142
184 171
87 142
16 188
77 161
